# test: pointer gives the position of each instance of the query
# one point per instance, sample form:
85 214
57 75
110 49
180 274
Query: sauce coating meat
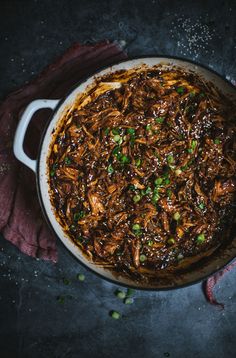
142 175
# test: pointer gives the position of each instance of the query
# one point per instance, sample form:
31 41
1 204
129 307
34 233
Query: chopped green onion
217 141
158 181
107 130
124 159
180 90
115 315
148 127
171 241
130 292
193 144
148 190
166 181
117 138
192 94
67 160
116 151
61 299
176 216
66 281
178 172
115 131
120 294
142 258
52 173
159 120
131 131
80 277
110 169
136 227
190 150
128 301
79 215
155 198
137 198
200 238
202 94
138 162
132 187
150 242
169 193
201 206
170 159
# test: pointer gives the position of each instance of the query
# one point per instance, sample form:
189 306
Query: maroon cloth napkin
21 220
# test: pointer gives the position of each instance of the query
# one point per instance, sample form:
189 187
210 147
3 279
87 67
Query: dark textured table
180 323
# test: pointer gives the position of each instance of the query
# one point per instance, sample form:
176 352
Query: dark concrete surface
180 323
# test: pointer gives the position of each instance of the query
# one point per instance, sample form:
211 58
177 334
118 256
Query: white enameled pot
195 272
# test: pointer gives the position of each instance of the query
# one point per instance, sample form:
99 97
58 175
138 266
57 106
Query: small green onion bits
115 315
137 198
120 294
117 138
176 216
124 159
180 90
148 127
158 181
150 242
159 120
131 131
80 277
115 131
128 301
110 169
138 162
142 258
200 238
201 206
171 241
217 141
193 144
170 159
67 161
136 227
107 130
79 215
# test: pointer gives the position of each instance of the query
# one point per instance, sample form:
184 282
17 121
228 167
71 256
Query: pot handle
22 128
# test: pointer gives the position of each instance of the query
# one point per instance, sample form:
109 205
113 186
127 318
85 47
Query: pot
195 271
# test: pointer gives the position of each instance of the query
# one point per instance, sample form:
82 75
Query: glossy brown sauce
143 176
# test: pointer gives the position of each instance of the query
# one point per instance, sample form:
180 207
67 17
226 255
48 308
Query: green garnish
67 160
193 144
137 198
158 181
200 238
138 162
190 150
115 315
132 187
131 131
66 281
136 227
110 169
176 216
166 181
124 159
130 292
150 242
142 258
217 141
180 90
171 241
159 120
116 151
201 206
202 94
120 294
80 277
128 301
155 198
148 127
192 94
146 191
107 130
115 131
79 215
117 138
170 159
169 193
52 173
61 299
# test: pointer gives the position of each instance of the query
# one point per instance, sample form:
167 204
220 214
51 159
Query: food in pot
142 170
